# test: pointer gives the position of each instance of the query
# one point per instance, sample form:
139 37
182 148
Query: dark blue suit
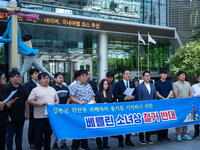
29 86
118 93
120 88
143 94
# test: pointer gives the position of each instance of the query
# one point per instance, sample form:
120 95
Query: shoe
121 145
142 142
55 146
195 137
178 138
100 147
64 146
32 146
106 146
185 136
149 141
160 139
167 139
87 148
129 143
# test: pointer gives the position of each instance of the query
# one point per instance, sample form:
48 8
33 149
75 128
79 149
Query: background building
184 16
97 35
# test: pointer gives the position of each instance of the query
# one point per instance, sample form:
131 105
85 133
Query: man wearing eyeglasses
39 97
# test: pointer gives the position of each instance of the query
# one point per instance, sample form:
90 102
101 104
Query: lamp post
141 64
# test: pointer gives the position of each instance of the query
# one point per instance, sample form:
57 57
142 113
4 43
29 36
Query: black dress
3 121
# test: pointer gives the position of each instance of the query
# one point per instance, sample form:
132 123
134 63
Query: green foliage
196 33
186 58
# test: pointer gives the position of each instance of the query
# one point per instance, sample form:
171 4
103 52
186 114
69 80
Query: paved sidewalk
113 142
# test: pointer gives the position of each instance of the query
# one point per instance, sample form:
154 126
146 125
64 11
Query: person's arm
170 94
117 95
73 99
93 98
68 101
27 110
56 101
155 94
190 94
2 104
139 96
32 102
175 91
159 96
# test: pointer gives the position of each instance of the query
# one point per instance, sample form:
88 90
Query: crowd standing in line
37 93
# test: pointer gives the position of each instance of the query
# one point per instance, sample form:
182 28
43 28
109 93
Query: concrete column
14 42
103 56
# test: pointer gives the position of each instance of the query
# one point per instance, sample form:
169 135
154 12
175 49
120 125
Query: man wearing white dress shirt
196 93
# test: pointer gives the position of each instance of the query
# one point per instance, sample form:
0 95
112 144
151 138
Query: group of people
37 93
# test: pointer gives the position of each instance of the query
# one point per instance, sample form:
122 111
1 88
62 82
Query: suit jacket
29 86
120 88
143 93
93 85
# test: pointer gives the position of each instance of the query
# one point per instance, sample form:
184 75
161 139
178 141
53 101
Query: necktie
126 84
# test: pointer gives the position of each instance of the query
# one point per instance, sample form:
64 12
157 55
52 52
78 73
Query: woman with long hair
103 96
3 111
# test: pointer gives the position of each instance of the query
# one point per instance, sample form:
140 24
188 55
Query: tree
196 33
186 58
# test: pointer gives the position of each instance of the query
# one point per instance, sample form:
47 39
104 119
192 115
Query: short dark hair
110 74
57 74
83 72
33 70
162 71
198 76
126 69
145 72
76 74
136 80
1 73
41 75
180 72
13 73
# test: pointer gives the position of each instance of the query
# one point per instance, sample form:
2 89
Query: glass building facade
153 12
70 49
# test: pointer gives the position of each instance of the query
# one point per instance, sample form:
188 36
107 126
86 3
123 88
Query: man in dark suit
146 91
29 86
93 84
120 87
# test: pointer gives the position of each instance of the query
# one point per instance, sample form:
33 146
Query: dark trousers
3 131
147 135
196 128
42 125
99 141
121 138
163 134
31 132
14 128
77 143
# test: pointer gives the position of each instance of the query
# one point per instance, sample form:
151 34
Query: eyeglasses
45 78
18 77
3 78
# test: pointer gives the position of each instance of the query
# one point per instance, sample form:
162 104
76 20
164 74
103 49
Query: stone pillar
14 43
103 56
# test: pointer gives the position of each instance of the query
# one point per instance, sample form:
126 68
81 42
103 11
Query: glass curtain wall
122 54
139 11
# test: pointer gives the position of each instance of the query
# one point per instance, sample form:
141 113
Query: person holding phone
3 111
